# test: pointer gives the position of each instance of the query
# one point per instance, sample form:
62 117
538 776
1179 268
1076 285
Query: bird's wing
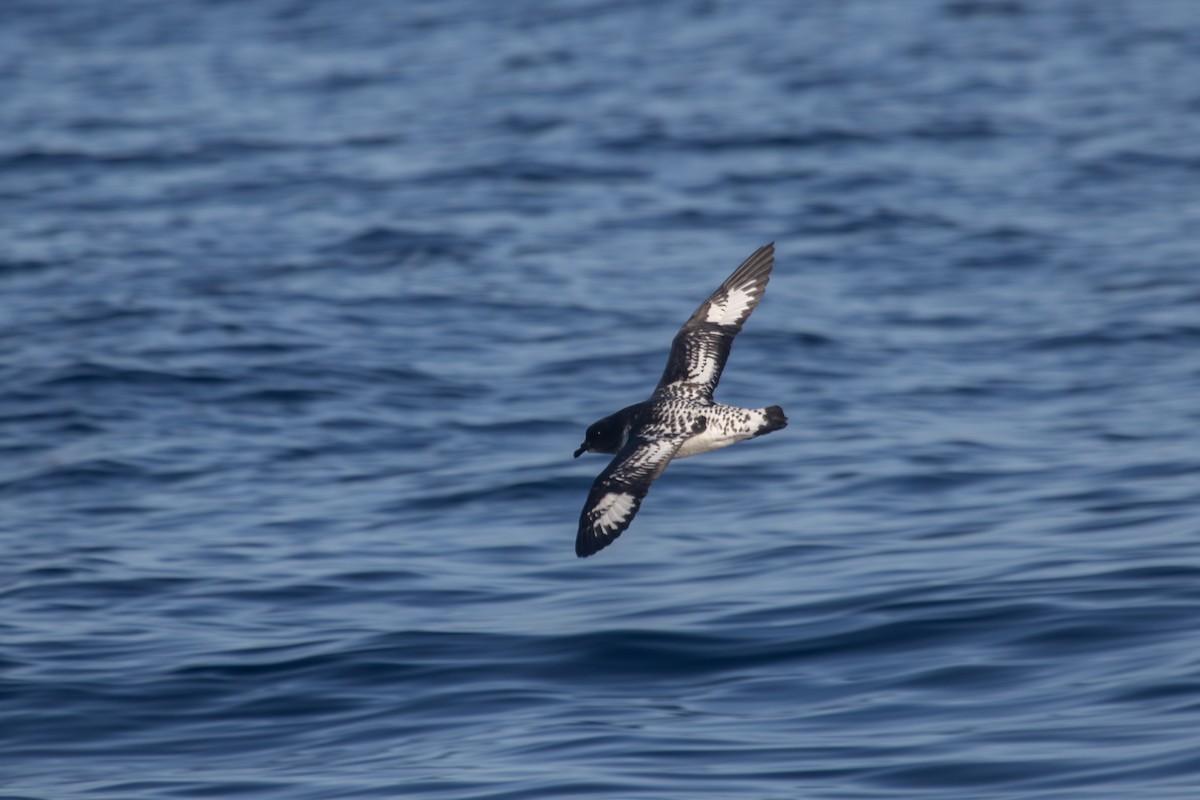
618 491
702 345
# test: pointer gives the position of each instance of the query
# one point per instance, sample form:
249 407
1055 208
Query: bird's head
603 436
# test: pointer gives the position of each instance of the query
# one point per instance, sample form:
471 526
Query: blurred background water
304 306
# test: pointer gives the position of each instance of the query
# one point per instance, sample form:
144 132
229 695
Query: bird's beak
582 449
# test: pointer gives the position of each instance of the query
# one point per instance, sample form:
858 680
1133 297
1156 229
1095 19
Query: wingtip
759 264
589 541
588 546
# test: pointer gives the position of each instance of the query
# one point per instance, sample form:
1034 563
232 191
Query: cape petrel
680 419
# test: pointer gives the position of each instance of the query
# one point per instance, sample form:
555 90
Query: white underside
709 440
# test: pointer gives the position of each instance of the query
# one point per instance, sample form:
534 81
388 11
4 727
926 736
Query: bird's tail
773 420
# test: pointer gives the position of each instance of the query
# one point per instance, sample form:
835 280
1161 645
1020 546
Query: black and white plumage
680 419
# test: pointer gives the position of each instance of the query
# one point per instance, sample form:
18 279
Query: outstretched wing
618 491
702 345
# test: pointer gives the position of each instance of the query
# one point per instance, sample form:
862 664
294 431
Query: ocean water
304 306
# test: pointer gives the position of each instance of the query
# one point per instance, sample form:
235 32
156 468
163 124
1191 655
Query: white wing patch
733 308
613 509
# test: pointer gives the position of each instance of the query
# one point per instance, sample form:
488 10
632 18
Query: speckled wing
702 345
618 491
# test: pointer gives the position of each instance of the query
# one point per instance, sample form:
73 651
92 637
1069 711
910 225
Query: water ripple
304 312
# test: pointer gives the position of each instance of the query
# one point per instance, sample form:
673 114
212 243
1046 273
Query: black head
603 436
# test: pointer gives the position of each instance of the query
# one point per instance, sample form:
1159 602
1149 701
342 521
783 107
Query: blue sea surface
305 305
